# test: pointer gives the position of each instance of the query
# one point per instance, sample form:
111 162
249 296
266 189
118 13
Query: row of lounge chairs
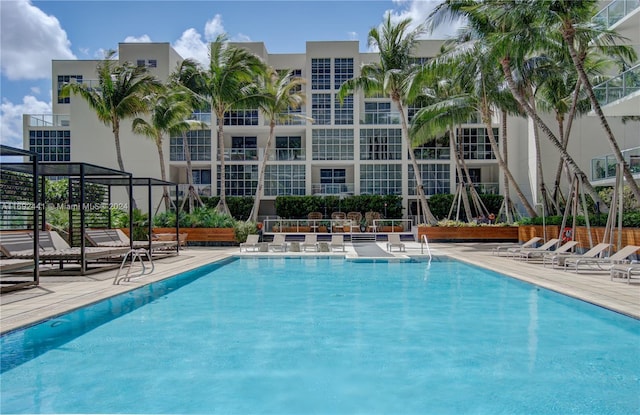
563 257
279 243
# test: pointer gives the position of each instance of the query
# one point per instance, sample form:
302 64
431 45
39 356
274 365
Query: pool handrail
424 242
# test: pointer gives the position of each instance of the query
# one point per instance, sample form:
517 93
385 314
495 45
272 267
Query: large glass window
240 179
321 108
289 148
333 181
380 113
199 146
435 179
52 145
244 148
321 73
343 68
332 144
381 179
63 80
380 144
241 117
344 111
284 180
475 143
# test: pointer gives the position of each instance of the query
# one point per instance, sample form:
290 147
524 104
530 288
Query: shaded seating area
117 238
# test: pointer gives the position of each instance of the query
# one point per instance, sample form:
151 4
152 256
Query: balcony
380 118
332 188
286 154
240 154
604 167
615 11
183 189
48 120
432 153
623 85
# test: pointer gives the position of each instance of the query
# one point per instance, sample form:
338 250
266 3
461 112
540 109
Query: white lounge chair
546 247
619 257
393 240
278 243
529 244
337 242
557 259
527 254
625 271
252 243
310 241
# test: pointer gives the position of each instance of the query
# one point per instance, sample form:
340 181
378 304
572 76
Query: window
241 117
199 146
140 63
321 73
381 179
321 108
475 143
66 79
332 144
244 148
201 176
379 113
240 179
152 63
435 179
333 181
380 144
284 180
51 145
343 71
344 111
289 148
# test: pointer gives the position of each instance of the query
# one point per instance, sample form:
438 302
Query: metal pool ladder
424 242
136 254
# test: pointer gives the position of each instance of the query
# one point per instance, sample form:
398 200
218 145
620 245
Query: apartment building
350 148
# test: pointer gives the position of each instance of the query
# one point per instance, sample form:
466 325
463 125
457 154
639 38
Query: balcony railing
380 118
183 189
615 11
332 188
604 167
240 154
621 86
434 153
280 154
49 120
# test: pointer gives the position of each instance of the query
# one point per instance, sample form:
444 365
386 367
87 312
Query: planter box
396 228
203 234
630 236
469 233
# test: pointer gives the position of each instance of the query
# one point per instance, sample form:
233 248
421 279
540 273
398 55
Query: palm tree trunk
506 68
486 119
539 167
115 127
568 34
253 216
457 160
163 175
422 198
505 155
222 204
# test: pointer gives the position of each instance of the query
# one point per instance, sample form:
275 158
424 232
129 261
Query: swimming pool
328 336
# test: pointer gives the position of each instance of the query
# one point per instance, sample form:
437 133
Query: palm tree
119 94
277 94
169 111
226 84
393 76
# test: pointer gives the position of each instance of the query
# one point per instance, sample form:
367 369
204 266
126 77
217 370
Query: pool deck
59 294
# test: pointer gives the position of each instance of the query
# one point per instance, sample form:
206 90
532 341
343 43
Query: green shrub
243 229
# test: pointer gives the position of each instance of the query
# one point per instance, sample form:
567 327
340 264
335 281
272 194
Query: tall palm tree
392 76
277 93
227 83
119 94
169 111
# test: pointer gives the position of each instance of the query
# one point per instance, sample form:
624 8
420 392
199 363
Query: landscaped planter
469 233
203 234
388 228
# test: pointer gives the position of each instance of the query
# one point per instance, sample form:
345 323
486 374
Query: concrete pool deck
59 294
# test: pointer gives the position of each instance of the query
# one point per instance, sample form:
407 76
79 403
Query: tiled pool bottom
330 336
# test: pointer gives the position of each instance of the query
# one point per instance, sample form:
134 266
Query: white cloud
134 39
191 45
352 35
418 11
240 37
213 28
11 117
30 40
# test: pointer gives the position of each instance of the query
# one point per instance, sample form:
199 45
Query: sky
33 33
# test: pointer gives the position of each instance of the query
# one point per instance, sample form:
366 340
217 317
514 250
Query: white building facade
353 148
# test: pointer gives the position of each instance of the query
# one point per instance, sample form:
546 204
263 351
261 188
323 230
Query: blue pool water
328 336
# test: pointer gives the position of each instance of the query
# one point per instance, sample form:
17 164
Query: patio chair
546 247
337 242
625 271
557 260
278 243
393 240
314 218
527 254
310 241
355 218
252 243
529 244
603 264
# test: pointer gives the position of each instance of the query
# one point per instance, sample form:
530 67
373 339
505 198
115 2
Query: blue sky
36 32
